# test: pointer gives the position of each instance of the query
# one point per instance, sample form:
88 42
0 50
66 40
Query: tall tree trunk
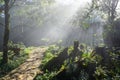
6 33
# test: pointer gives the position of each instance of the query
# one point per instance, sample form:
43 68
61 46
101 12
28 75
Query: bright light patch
68 2
65 2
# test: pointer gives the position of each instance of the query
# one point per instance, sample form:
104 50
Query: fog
35 25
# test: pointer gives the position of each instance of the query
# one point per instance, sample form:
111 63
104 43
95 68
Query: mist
35 25
59 39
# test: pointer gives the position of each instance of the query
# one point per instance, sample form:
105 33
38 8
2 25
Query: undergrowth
15 59
88 65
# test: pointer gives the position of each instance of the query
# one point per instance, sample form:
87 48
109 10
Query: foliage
111 34
83 75
1 2
14 60
46 76
100 72
84 67
18 45
89 58
32 14
50 53
70 49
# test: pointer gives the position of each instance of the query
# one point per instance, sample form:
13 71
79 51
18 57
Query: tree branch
11 4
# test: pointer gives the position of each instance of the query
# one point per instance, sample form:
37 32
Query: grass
14 60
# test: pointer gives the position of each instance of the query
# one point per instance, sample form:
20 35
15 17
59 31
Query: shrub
14 60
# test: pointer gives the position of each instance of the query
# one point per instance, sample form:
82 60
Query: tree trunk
6 33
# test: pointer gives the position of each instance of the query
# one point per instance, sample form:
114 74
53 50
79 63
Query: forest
59 39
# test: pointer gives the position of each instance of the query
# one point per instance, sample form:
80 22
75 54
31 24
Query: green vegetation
88 65
44 22
17 54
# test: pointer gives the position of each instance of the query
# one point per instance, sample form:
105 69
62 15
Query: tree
6 32
111 31
107 9
7 6
110 8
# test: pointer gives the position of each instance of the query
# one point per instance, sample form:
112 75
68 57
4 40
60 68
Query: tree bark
6 33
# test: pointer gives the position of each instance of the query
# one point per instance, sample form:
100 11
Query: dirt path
29 69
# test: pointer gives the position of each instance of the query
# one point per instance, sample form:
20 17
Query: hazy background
37 22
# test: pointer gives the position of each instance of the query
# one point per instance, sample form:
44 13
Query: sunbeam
63 11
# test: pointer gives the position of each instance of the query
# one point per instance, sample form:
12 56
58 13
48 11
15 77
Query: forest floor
29 69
